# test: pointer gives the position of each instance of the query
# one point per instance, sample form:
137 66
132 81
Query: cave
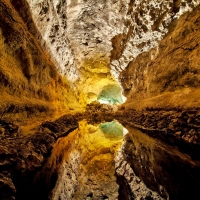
111 94
99 100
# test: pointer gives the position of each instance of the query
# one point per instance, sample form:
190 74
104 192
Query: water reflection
162 167
113 130
97 146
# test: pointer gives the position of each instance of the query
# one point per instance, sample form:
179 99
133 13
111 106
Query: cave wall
167 76
148 168
30 82
66 55
65 52
93 42
145 23
78 36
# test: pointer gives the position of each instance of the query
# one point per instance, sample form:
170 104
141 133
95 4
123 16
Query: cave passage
90 162
108 161
65 66
113 129
111 94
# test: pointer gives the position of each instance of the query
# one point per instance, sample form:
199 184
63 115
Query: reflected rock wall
144 162
86 168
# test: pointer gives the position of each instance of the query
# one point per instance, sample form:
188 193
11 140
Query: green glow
112 130
111 94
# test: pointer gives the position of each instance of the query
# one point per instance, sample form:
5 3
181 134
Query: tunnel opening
93 172
111 94
113 129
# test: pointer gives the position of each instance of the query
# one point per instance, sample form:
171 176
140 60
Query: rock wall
66 55
148 168
87 170
51 20
21 157
145 23
92 42
77 34
167 76
30 83
168 124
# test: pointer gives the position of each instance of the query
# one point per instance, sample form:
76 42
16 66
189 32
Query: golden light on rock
65 67
96 147
97 83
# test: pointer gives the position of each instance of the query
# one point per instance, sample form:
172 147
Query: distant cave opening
113 129
111 94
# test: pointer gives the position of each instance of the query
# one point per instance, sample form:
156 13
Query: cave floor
76 158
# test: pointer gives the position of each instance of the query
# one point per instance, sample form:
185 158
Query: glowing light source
113 130
111 94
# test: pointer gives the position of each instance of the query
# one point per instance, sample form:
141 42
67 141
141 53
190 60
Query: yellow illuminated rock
30 83
76 59
94 76
87 156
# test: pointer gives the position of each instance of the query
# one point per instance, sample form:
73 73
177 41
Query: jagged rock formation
180 124
91 43
78 34
144 25
87 28
59 55
22 156
30 83
169 75
90 39
143 159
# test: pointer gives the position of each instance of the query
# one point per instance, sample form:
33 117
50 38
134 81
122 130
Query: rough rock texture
78 34
145 23
22 156
87 169
51 20
161 167
169 75
181 124
90 43
131 186
90 39
155 46
30 83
